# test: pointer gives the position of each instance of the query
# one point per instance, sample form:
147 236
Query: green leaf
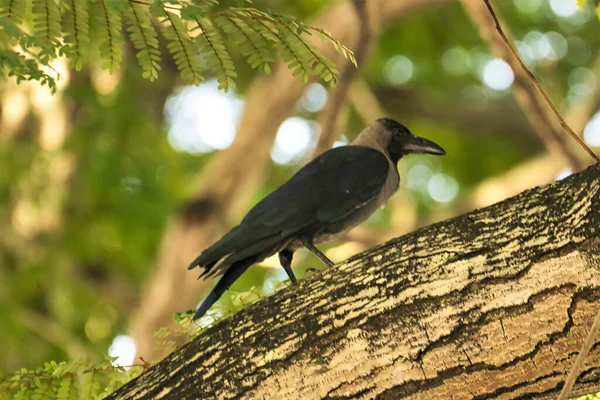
76 28
199 38
110 35
144 39
13 10
46 25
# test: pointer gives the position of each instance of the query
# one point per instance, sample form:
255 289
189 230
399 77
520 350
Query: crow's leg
285 259
309 245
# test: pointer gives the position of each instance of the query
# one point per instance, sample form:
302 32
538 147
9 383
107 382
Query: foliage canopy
35 32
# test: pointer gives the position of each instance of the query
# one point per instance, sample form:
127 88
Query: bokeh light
456 61
124 348
428 181
342 141
398 70
582 81
314 98
526 53
563 173
540 45
498 75
202 118
442 188
418 175
591 132
528 6
293 140
563 8
558 43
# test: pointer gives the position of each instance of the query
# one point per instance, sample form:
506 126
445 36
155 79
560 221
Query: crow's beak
419 145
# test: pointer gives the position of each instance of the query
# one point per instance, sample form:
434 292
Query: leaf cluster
199 38
67 381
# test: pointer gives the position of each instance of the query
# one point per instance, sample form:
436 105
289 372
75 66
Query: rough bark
227 184
491 304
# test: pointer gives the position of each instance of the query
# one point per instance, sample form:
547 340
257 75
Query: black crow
330 195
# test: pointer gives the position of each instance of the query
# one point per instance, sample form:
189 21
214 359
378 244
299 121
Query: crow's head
399 141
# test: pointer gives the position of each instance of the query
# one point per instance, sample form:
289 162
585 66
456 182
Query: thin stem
538 86
579 361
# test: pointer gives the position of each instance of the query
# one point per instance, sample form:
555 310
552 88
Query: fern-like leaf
77 35
13 10
145 39
45 389
182 48
21 394
46 25
90 388
67 389
195 36
312 58
258 52
215 54
23 68
61 381
288 52
291 51
110 37
339 47
204 6
9 32
117 377
286 34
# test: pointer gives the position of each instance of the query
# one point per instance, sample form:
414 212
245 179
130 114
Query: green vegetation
90 177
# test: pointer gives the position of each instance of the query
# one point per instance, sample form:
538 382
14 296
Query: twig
339 95
538 86
525 93
585 349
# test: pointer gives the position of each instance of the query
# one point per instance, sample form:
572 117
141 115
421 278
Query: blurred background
109 188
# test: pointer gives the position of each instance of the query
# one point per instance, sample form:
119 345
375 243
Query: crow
333 193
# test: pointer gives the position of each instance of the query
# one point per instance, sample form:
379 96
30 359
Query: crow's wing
325 190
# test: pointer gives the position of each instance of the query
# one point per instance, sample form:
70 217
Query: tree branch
491 303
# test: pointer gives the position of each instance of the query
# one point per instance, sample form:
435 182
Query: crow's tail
233 272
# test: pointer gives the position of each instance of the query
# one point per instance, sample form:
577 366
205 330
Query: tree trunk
491 304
